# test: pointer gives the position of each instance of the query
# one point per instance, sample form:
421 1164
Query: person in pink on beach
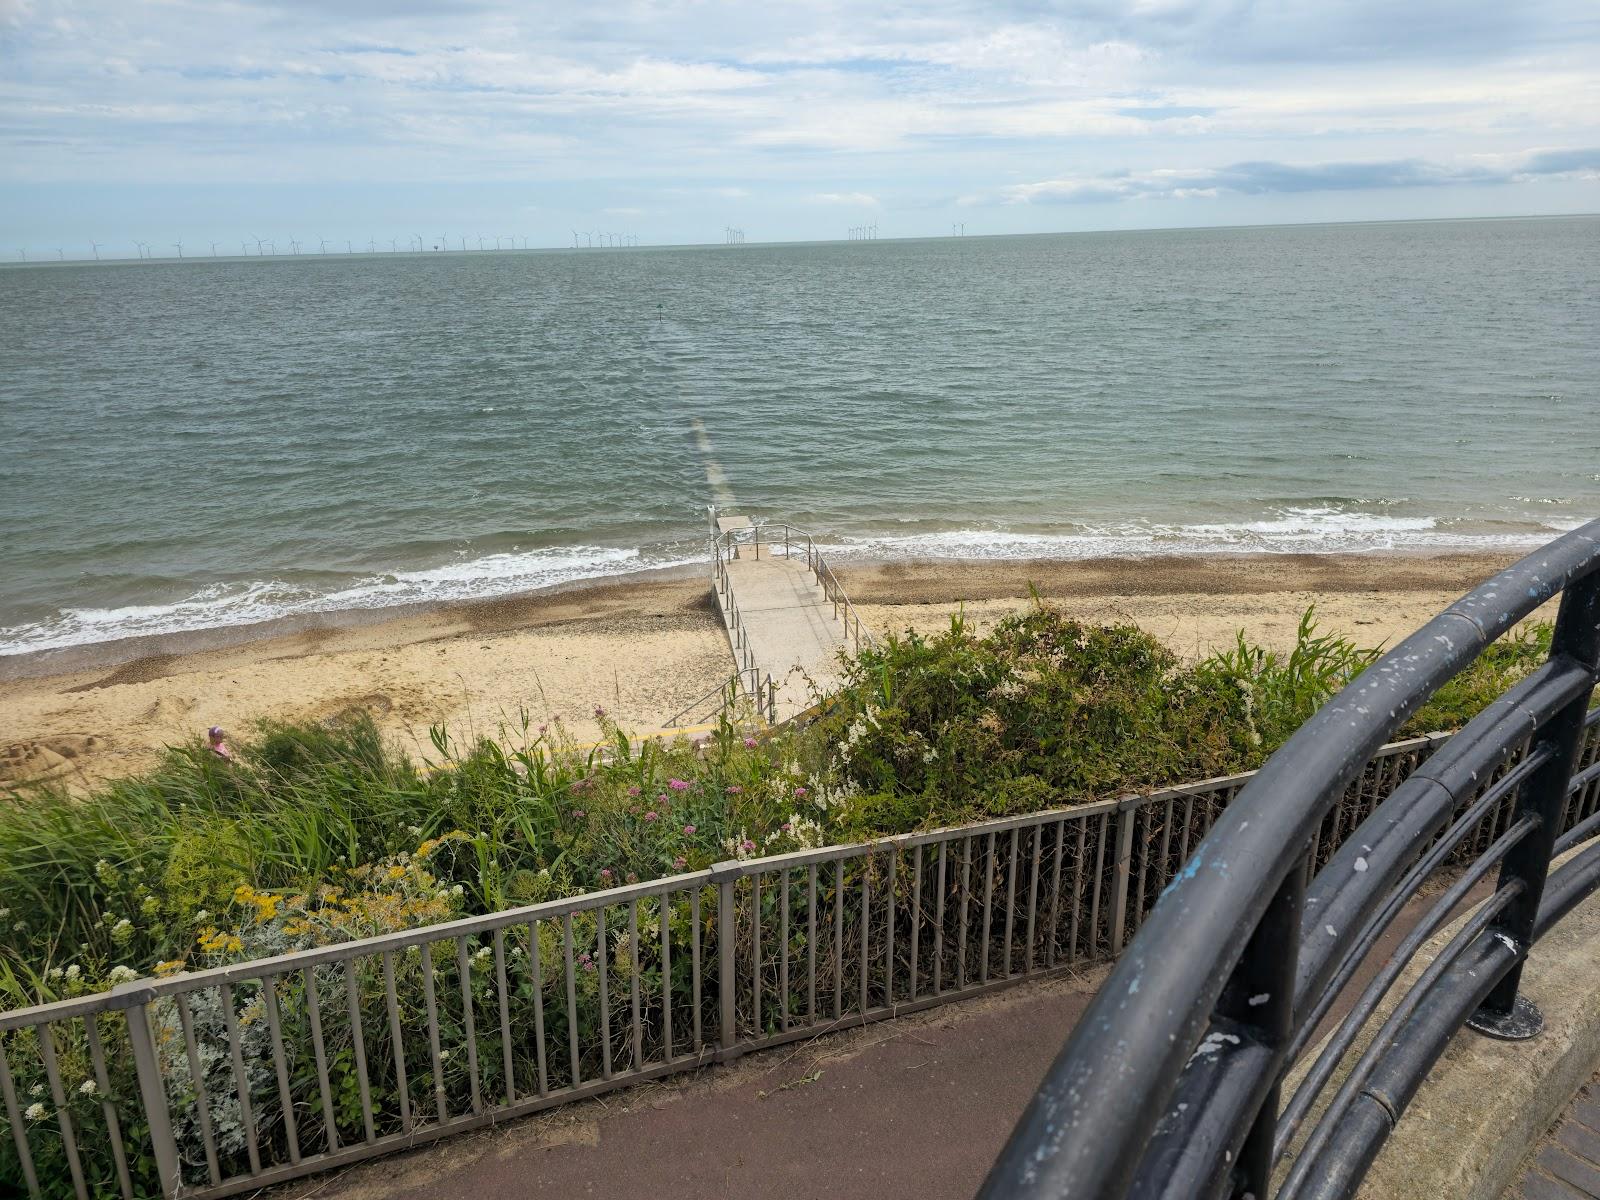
216 742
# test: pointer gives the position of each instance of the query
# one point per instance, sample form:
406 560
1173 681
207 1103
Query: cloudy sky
358 120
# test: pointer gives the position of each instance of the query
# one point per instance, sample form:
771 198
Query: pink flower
605 872
677 785
579 813
734 789
747 845
633 791
680 862
599 713
651 815
800 793
542 728
787 828
632 878
688 830
749 743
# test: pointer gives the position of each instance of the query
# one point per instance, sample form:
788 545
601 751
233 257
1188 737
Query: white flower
34 1112
19 927
4 913
36 1090
443 1054
53 973
202 914
458 890
88 1087
74 971
122 974
481 953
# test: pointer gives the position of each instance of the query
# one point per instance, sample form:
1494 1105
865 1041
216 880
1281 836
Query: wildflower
632 878
652 815
34 1112
634 790
677 785
53 973
801 793
203 914
73 971
20 927
443 1054
88 1087
124 974
605 873
733 789
122 930
458 890
169 966
599 713
688 831
579 813
414 830
786 827
36 1090
680 862
4 913
747 845
749 743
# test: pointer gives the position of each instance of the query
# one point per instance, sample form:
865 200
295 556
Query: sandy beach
641 648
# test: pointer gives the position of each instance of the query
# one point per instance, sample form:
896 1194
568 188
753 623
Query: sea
216 442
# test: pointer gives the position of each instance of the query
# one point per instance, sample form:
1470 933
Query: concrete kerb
1486 1103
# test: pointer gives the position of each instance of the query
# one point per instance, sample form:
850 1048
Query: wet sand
641 648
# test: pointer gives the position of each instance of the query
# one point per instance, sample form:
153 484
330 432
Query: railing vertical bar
988 907
664 922
866 924
694 966
635 961
1164 867
838 938
469 1029
1055 891
241 1081
358 1042
319 1052
1185 846
1033 892
888 927
280 1063
1094 888
58 1096
783 954
938 917
966 897
197 1077
102 1083
536 970
811 944
14 1118
916 919
397 1043
1141 846
602 959
755 954
1011 904
572 998
1077 882
502 991
430 1001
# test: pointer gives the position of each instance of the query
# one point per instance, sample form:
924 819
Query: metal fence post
1504 1014
725 875
152 1092
1127 813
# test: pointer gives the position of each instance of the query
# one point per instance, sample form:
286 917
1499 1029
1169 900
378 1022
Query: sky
348 123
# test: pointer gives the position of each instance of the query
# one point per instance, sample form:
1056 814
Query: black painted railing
1171 1084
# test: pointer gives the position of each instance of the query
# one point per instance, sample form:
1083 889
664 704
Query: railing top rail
1126 1054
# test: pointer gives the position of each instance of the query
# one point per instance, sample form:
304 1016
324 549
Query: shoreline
642 647
892 580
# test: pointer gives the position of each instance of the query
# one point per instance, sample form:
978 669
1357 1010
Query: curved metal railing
1170 1085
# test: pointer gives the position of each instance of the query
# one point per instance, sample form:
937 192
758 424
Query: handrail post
152 1092
1504 1014
725 875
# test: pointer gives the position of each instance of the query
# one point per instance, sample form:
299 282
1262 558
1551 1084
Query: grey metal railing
758 684
763 534
1174 1082
222 1081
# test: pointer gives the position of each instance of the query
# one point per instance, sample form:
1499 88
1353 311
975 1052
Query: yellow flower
169 967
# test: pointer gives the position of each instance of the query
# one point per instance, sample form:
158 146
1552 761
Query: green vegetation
1041 711
319 834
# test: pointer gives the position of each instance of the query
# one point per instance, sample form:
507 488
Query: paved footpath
1567 1166
917 1106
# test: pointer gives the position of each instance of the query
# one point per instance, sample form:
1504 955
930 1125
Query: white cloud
852 199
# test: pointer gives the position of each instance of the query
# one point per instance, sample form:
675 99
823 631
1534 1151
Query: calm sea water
208 443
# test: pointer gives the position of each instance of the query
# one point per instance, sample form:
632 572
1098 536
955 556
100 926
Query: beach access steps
786 615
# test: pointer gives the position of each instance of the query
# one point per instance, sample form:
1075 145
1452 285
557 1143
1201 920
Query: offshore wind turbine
23 251
95 247
322 245
213 249
179 247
